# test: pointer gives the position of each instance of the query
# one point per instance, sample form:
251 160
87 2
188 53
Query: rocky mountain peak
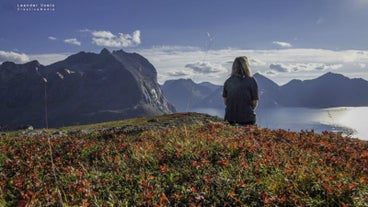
332 76
119 52
136 64
105 52
84 88
33 63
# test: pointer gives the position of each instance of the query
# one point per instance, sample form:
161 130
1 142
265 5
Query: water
349 120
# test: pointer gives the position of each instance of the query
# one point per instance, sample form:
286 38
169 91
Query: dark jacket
239 93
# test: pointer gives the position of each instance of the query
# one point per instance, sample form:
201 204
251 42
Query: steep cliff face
144 72
84 88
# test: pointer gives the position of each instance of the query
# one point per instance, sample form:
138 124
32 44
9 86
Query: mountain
268 95
328 90
268 91
209 85
212 100
83 88
185 94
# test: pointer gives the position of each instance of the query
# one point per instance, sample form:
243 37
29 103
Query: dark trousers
242 123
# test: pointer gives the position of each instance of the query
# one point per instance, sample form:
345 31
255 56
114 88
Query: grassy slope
181 159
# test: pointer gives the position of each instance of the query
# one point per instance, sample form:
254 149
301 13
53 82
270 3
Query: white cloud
72 41
279 68
282 44
136 37
103 34
52 38
255 62
173 58
362 65
171 61
301 63
13 57
206 67
179 73
300 67
329 67
108 39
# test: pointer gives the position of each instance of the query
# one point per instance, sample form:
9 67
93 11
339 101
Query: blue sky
197 38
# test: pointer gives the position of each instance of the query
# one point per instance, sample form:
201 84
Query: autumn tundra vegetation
183 159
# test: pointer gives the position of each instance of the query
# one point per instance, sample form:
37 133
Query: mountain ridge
327 90
84 88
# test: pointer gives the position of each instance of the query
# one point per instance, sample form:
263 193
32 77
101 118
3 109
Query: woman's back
240 93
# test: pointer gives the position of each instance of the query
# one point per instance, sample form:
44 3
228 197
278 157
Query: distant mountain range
83 88
328 90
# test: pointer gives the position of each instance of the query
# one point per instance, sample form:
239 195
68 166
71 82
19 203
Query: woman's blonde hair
241 67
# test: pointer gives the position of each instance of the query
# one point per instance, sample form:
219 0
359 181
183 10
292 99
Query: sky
197 39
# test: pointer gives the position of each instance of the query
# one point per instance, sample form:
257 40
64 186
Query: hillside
183 159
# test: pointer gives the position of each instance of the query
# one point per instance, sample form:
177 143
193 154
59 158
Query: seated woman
240 94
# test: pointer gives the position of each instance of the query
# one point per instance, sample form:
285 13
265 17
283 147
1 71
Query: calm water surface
352 121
